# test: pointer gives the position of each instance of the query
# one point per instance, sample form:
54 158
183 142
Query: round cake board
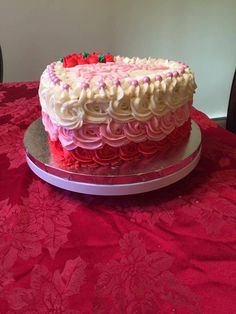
133 179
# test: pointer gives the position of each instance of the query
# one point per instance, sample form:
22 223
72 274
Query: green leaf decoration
84 54
101 58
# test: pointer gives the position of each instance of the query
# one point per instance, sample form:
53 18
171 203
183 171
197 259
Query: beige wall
200 32
36 32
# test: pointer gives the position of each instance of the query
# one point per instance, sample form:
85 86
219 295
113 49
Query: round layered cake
102 110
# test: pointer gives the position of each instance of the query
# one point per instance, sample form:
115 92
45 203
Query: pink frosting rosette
135 131
154 132
113 134
167 123
50 127
66 137
181 115
88 136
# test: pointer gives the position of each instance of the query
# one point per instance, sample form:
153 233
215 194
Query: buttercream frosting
112 156
111 93
115 133
115 108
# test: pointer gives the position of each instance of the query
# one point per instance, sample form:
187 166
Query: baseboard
221 121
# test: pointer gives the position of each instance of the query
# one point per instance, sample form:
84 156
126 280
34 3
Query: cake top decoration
74 59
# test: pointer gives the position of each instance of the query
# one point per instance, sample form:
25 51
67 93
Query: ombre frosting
112 156
115 133
117 105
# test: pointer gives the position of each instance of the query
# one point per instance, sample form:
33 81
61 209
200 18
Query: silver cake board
131 178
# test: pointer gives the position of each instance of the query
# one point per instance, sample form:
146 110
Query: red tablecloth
167 251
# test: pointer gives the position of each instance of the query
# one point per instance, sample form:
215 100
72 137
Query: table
167 251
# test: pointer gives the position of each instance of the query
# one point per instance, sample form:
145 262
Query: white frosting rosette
124 90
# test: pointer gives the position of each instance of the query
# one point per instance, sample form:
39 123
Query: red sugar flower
70 60
85 58
109 57
92 59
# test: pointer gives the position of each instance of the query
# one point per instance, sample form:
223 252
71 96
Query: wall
201 33
34 33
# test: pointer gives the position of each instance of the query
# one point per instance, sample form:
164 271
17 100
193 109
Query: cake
104 110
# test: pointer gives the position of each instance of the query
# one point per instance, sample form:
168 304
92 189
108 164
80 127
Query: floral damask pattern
49 292
11 92
169 251
198 207
48 216
22 111
37 224
15 115
158 212
14 150
141 282
220 152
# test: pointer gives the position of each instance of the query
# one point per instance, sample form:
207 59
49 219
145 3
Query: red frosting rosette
82 155
57 150
107 155
163 145
177 136
61 156
129 151
85 58
148 148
